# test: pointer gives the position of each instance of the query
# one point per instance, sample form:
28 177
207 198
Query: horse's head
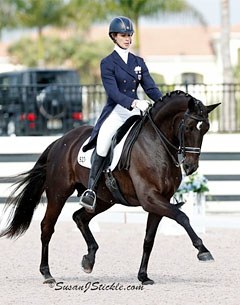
193 127
180 122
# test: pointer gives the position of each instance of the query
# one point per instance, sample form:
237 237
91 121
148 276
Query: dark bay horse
177 125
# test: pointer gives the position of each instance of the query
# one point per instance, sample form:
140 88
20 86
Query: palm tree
228 112
39 14
80 14
225 38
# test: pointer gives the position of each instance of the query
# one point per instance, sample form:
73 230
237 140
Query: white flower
194 183
137 69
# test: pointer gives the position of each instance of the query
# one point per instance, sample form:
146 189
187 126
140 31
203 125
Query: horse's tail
24 203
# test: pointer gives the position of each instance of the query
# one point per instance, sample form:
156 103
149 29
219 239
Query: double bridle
181 149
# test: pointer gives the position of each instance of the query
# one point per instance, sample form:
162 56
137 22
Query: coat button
134 81
124 81
133 90
124 90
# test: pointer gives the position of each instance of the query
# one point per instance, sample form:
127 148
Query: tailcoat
121 81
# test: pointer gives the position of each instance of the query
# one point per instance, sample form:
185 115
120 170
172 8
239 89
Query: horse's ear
191 104
212 107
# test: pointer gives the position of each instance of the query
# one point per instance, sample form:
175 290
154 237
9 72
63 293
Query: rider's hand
141 104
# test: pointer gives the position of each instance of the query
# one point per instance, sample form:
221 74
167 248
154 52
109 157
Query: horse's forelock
200 109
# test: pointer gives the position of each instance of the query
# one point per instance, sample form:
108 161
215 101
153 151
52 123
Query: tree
39 14
225 45
134 9
7 13
80 14
228 112
75 14
75 52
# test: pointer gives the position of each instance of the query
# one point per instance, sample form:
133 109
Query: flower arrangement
194 183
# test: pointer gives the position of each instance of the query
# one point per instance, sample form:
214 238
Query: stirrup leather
88 194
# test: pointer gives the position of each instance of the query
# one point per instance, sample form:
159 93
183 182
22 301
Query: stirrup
88 199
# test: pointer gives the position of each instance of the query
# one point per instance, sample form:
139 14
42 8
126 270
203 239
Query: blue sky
211 10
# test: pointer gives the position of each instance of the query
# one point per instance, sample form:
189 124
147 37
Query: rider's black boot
88 198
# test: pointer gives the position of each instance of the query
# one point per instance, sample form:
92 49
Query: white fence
220 163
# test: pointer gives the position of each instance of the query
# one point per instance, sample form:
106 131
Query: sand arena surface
180 279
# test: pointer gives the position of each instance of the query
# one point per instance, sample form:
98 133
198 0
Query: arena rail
22 114
219 162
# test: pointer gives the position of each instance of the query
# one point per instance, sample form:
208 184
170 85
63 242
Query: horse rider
121 74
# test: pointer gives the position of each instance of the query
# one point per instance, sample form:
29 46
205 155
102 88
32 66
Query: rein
181 149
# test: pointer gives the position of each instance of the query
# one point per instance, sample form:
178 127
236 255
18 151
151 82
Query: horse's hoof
86 265
205 257
50 281
145 280
148 282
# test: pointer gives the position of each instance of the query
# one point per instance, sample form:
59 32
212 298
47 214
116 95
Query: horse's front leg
203 253
151 229
164 208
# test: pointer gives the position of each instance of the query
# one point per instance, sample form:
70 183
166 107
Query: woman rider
121 74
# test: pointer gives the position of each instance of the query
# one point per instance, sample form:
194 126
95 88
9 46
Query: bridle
181 149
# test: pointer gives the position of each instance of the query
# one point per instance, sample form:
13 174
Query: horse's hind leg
82 219
152 226
47 227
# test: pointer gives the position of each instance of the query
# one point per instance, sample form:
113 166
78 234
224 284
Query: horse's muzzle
189 167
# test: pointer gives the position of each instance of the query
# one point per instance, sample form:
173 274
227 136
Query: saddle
135 120
126 154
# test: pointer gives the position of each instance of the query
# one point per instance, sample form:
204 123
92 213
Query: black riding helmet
122 25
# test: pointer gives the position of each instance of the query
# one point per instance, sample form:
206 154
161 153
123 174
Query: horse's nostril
189 168
185 169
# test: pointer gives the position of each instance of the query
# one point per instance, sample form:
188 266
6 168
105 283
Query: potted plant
195 183
192 191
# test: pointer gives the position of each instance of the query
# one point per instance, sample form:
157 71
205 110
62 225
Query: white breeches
109 127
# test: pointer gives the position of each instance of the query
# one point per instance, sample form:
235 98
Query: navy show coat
121 81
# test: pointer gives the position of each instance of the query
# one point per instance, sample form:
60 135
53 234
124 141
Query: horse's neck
167 117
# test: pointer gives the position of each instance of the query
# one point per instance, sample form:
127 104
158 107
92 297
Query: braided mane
178 96
175 93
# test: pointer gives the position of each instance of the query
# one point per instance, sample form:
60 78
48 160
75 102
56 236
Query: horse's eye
199 125
189 128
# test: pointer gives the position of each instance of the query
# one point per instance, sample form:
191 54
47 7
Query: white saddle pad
84 158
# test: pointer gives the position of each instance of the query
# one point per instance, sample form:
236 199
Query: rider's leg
106 132
88 198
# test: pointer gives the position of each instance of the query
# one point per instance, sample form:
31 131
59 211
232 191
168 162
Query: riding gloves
141 104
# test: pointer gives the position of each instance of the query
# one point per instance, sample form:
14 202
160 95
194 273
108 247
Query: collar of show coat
131 62
123 53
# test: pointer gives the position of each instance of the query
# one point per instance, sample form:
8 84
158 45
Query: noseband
181 149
